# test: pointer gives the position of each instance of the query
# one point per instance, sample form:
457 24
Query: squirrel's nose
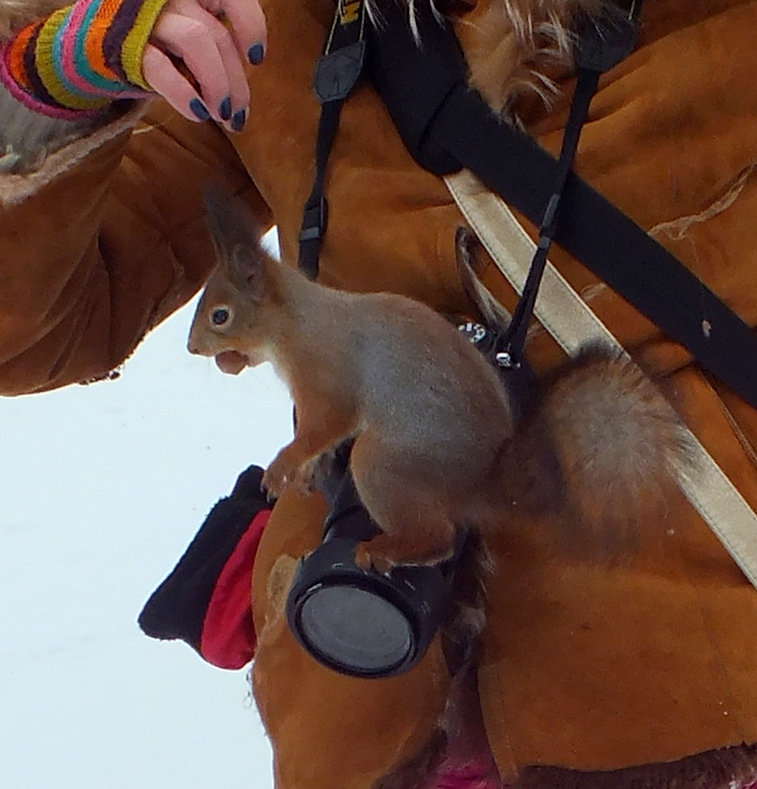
192 346
195 342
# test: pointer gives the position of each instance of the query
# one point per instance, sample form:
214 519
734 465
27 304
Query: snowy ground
101 489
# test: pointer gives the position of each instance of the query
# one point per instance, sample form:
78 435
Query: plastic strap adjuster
314 220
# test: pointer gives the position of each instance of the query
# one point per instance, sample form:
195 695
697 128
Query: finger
239 91
164 79
248 25
188 39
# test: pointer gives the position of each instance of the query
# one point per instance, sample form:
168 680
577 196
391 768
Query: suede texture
587 664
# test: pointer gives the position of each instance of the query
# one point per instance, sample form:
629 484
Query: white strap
558 307
572 323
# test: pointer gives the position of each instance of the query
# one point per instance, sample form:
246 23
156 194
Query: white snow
101 489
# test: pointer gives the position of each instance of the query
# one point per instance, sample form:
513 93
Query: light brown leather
586 664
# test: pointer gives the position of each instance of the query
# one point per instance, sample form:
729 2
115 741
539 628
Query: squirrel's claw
283 474
270 496
274 482
365 559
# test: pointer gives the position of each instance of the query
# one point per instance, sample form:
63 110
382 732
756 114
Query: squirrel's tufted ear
236 238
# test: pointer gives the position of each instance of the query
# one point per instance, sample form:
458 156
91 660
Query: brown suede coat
588 665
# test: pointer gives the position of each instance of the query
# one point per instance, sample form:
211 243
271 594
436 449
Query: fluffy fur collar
512 46
16 13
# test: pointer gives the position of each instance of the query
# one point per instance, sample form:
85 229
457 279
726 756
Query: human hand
210 54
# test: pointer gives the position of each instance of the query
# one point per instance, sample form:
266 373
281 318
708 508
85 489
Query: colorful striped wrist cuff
80 58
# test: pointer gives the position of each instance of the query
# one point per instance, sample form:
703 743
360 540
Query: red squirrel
428 415
435 446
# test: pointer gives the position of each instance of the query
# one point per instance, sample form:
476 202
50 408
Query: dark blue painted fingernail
224 109
238 120
199 109
255 54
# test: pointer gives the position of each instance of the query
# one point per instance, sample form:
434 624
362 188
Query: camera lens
355 629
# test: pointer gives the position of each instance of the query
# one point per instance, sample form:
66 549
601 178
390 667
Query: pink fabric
480 775
469 775
68 61
476 776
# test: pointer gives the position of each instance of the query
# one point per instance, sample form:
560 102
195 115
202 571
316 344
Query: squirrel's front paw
283 474
278 476
385 551
307 475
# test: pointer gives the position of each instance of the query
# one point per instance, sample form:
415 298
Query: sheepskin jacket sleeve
586 665
97 250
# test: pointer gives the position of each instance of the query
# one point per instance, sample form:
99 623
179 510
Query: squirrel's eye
219 316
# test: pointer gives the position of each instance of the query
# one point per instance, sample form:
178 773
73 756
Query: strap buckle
314 219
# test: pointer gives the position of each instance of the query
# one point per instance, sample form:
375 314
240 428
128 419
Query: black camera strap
446 126
336 74
600 45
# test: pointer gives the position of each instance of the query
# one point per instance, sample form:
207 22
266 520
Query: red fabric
228 636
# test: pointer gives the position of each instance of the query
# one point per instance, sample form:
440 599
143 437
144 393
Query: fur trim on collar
15 188
512 46
17 13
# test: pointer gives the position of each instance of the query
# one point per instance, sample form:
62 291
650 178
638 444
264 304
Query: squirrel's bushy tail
610 445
